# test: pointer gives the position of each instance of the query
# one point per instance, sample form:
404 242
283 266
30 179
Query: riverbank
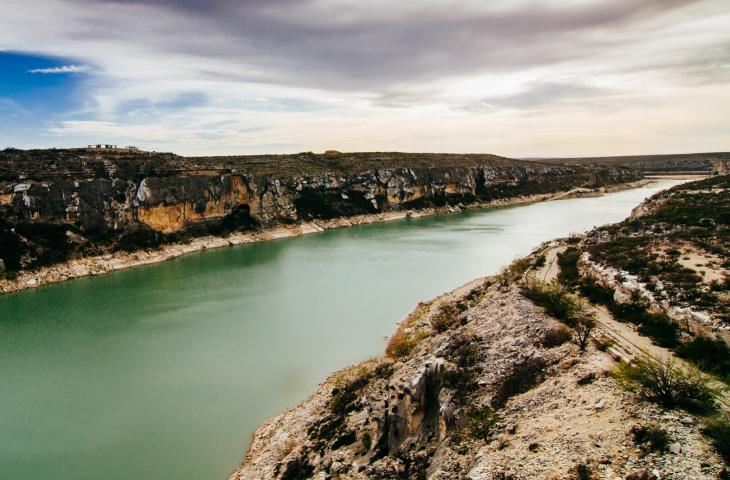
102 264
483 383
230 337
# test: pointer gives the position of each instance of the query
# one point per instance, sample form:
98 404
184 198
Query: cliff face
55 205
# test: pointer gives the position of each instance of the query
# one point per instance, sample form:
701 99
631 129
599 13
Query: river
162 372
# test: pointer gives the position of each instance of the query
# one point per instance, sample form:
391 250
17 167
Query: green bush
655 325
514 270
480 423
718 430
582 472
555 299
651 438
540 261
8 275
568 263
710 355
445 318
664 383
567 308
585 323
402 344
595 292
574 239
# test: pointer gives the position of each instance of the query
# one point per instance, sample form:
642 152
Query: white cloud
63 69
559 77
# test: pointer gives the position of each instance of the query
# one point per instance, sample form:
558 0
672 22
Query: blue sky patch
29 101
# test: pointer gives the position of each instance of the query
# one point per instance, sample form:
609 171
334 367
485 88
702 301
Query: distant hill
681 162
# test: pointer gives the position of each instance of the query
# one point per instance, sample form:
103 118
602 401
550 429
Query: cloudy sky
513 77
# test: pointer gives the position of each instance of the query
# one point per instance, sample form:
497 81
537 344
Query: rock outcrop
57 205
492 393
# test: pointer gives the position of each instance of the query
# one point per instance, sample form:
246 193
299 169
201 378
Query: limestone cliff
62 204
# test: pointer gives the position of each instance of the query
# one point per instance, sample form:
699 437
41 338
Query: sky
520 78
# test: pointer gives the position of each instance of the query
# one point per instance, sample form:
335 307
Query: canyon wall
700 163
61 204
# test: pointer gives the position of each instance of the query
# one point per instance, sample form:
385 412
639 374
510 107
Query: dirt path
549 271
628 343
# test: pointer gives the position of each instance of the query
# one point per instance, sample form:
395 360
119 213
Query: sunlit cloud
518 77
62 69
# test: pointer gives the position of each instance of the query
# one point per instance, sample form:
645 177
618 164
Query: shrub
567 308
664 383
140 238
480 422
568 263
583 328
555 299
660 328
582 472
540 261
445 318
651 438
514 270
710 355
556 336
656 325
718 430
574 239
402 344
9 275
595 292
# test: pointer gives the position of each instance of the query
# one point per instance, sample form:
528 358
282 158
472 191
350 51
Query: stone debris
412 420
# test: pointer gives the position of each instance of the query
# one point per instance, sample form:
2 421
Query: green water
162 372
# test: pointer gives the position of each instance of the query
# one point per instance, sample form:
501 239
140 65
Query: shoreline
110 262
397 386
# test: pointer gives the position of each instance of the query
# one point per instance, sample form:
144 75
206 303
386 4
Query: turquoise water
162 372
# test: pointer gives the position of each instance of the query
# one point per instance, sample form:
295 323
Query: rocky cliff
61 204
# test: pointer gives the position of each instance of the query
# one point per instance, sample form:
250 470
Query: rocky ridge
58 206
490 398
